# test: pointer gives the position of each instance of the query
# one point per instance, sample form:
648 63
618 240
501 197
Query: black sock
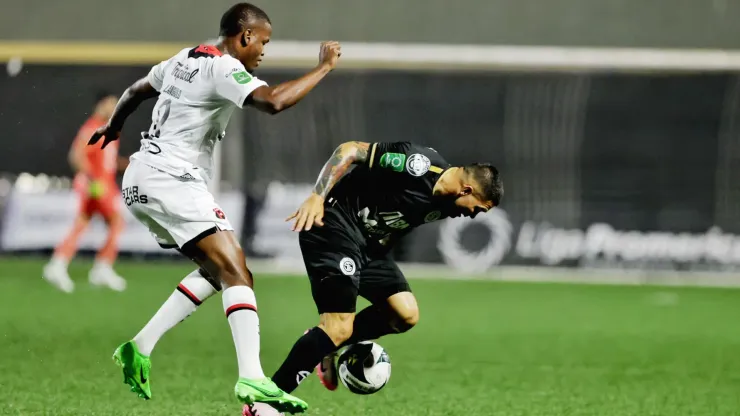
371 323
305 355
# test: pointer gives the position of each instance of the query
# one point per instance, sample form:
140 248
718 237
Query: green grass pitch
481 348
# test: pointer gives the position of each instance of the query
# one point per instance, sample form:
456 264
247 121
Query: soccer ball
364 368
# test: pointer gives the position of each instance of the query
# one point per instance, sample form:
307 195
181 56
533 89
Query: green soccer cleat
265 391
136 367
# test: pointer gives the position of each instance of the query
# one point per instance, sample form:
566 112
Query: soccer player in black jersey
366 197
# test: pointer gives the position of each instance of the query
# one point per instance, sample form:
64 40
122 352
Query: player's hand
330 53
108 132
309 214
96 189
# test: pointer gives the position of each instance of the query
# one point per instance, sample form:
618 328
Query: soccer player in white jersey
165 186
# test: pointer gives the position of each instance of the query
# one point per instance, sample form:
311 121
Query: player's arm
122 163
312 210
76 156
130 100
344 156
275 99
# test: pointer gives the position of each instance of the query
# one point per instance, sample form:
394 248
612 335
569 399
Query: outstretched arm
275 99
134 95
312 210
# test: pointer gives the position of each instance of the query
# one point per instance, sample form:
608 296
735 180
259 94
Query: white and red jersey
199 89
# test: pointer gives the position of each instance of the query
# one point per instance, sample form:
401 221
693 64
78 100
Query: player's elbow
267 100
275 106
140 90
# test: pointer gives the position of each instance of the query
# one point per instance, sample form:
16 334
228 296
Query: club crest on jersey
219 214
432 216
347 266
418 164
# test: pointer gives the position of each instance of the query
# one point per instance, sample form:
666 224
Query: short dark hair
239 17
487 176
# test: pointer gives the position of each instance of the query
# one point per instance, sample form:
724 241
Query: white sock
59 261
193 290
101 264
240 306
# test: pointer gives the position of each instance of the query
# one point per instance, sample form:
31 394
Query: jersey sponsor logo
433 216
131 196
393 161
242 77
394 220
418 164
183 73
347 266
219 214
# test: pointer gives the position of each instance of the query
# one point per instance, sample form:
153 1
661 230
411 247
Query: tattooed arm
312 211
346 155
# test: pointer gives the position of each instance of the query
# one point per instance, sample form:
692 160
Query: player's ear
245 37
466 190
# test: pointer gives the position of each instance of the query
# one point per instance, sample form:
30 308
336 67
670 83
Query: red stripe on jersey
208 50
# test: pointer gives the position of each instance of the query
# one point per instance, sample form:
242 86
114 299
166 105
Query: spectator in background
95 183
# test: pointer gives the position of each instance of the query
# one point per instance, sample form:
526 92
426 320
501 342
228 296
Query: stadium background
615 124
607 167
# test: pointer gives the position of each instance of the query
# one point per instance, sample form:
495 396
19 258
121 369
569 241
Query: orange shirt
103 163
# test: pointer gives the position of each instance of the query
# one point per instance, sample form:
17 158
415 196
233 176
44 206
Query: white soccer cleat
57 275
105 276
260 409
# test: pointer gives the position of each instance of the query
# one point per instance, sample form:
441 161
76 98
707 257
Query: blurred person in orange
95 184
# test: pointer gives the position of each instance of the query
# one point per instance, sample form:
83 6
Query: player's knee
213 282
115 223
339 333
231 269
232 274
407 319
338 326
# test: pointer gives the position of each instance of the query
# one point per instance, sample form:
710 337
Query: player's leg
331 261
394 310
55 272
102 273
190 293
219 253
133 356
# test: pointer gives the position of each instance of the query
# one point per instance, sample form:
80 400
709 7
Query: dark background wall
644 151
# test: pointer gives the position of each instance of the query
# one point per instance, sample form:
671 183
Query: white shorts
176 210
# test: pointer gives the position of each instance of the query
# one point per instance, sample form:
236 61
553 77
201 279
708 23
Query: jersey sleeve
156 75
404 158
233 82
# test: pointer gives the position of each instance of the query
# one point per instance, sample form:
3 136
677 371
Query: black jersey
389 195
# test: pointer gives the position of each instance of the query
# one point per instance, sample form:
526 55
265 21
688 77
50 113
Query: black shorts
340 270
